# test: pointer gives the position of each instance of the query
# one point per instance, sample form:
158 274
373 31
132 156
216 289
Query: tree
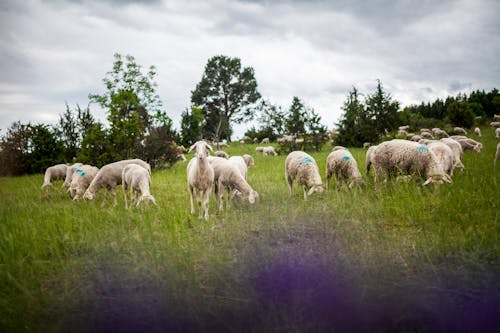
382 110
14 150
96 147
297 117
226 94
272 121
192 124
69 131
460 114
44 148
131 102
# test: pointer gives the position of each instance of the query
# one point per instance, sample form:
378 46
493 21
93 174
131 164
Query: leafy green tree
460 114
69 133
45 149
96 147
382 110
297 117
131 101
272 121
14 148
226 94
192 124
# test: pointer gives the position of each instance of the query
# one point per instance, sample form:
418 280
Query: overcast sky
57 51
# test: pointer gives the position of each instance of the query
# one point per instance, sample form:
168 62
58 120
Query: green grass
82 266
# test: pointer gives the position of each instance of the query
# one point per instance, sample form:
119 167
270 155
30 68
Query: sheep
246 138
403 156
497 154
138 180
227 175
69 174
81 180
342 164
181 157
200 178
460 130
268 151
468 143
416 137
366 145
220 145
338 147
369 158
299 141
55 172
241 164
496 117
404 128
248 160
255 140
422 130
495 124
477 131
402 133
457 150
303 168
426 135
444 155
110 176
220 153
497 133
265 141
259 149
439 133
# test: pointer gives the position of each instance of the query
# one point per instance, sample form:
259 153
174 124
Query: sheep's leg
206 197
113 191
304 188
221 196
290 181
191 201
125 195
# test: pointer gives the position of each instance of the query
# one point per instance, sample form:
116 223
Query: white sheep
477 131
496 117
269 151
495 124
404 128
110 176
220 153
366 145
265 141
302 167
69 174
343 166
468 143
248 160
81 180
259 149
444 155
240 163
407 157
439 133
228 176
369 158
299 141
497 133
55 172
200 178
138 180
497 154
181 157
457 150
402 133
460 130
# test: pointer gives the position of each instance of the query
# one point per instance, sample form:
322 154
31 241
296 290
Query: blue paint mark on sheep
422 148
346 158
80 172
307 160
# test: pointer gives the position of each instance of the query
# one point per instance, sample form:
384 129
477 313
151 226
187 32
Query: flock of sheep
432 155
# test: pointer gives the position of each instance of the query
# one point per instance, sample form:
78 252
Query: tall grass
398 257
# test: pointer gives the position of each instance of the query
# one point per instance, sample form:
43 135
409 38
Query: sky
57 52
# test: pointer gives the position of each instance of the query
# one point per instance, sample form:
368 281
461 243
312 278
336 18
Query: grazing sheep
496 117
303 168
416 138
269 151
248 160
227 175
299 141
407 157
366 145
457 150
338 147
242 142
426 135
181 157
460 130
220 145
241 164
422 130
246 138
55 172
497 154
255 140
138 180
343 166
404 128
477 131
110 176
200 177
439 133
265 141
495 124
402 133
220 153
81 180
259 149
444 155
497 133
468 143
369 158
69 174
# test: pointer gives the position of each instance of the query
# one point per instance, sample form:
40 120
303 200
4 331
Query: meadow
398 257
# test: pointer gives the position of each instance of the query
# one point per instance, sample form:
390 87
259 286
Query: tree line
137 126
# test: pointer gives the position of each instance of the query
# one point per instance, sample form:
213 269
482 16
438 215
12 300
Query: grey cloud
456 86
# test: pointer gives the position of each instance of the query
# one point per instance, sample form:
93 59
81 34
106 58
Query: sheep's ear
191 148
428 181
209 147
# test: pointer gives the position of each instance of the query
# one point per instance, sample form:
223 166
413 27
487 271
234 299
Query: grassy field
399 257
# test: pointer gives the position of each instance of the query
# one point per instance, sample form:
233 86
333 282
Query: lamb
241 164
460 130
342 164
200 177
81 180
457 150
220 153
137 179
69 174
55 172
444 155
110 176
302 167
497 133
403 156
497 154
477 131
369 158
228 176
248 160
268 151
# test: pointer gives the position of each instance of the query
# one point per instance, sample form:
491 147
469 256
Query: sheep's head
88 195
253 197
145 199
315 188
438 179
201 148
